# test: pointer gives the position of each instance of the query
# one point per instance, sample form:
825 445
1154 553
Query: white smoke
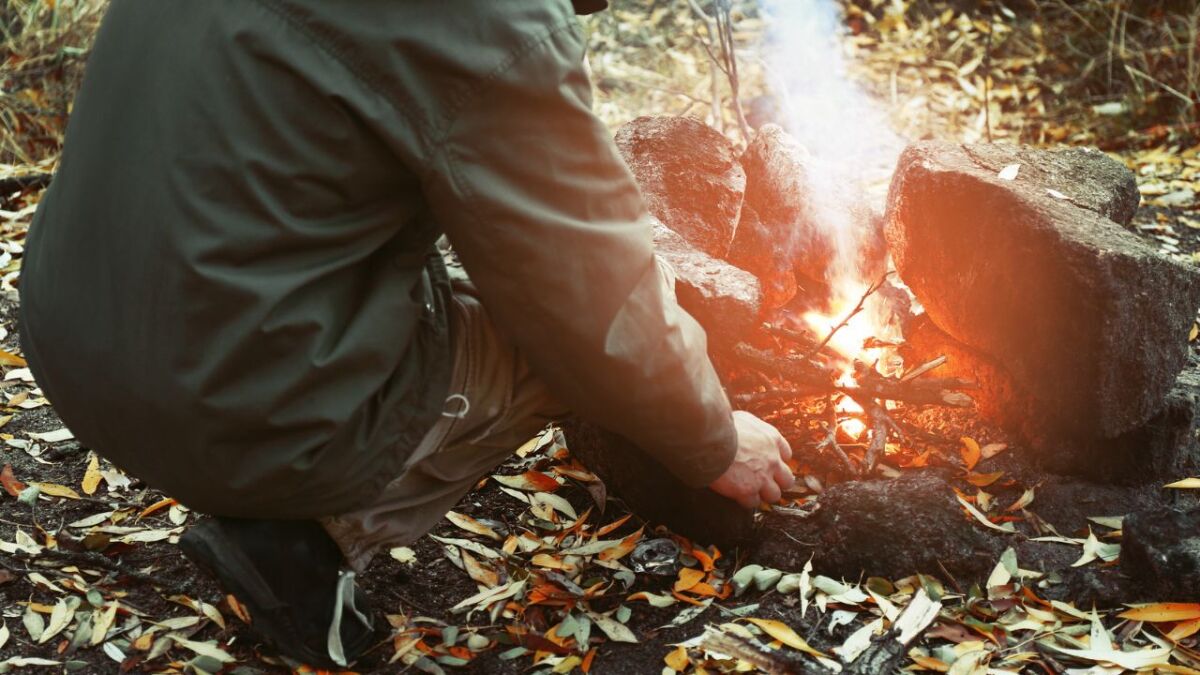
846 132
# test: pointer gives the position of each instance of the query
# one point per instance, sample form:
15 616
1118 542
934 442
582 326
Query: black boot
288 574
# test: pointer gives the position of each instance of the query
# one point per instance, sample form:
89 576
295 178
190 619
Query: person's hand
759 472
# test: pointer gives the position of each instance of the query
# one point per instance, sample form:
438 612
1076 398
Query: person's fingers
770 492
784 477
785 448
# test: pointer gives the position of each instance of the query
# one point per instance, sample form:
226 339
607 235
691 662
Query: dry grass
1096 71
43 45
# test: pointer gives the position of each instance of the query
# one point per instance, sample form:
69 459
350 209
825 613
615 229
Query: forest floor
536 570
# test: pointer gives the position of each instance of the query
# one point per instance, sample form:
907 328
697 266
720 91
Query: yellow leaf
480 573
1184 629
677 660
930 663
688 577
1192 334
471 525
10 359
1186 483
782 632
1163 611
983 479
970 452
56 490
91 477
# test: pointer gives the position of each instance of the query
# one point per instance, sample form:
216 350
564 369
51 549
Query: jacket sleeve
553 231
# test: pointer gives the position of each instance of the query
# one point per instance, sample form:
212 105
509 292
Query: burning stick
814 378
854 312
830 441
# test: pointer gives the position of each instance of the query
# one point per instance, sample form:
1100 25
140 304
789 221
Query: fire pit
994 337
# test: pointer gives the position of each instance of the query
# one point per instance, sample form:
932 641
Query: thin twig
854 312
830 441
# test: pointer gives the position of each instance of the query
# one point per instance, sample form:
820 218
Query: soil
150 573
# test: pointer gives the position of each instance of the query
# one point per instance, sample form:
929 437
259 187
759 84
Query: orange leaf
11 485
1163 611
613 525
704 590
706 561
677 660
1184 629
157 506
690 601
530 481
622 549
983 479
688 578
970 452
586 666
10 359
930 663
241 611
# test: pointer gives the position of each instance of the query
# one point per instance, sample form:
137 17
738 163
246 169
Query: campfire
996 306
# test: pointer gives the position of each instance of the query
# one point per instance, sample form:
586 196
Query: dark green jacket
227 290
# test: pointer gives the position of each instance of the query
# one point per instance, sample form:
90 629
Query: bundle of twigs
806 375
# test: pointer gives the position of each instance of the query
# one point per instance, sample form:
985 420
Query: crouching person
231 288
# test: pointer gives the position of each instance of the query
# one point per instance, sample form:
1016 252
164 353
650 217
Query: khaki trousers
495 405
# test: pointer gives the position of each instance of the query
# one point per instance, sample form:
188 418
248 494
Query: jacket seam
458 104
443 147
345 59
425 129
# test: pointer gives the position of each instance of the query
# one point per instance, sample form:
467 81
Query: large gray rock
727 301
1163 448
760 251
1160 552
890 528
1083 315
783 221
690 177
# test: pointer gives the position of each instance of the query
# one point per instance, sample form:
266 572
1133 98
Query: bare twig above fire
862 303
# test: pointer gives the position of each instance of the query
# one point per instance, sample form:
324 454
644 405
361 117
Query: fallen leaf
615 630
1163 611
56 490
403 555
11 485
530 481
677 660
984 479
970 452
1010 172
209 649
102 621
622 548
688 577
1185 484
784 633
471 525
654 599
479 572
56 436
1184 629
1006 527
91 476
1023 501
156 507
10 359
